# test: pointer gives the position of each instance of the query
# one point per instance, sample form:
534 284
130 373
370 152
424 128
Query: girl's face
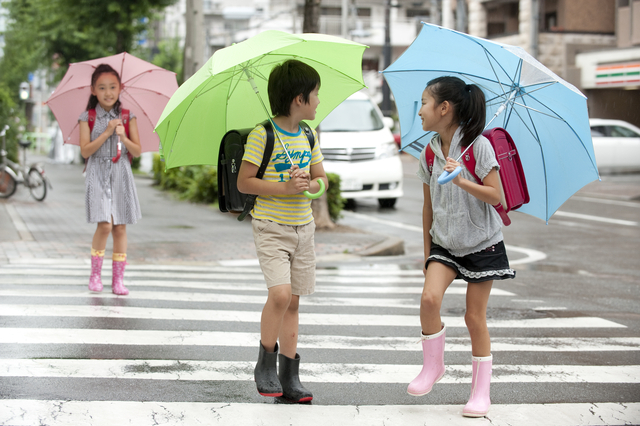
107 90
310 107
429 112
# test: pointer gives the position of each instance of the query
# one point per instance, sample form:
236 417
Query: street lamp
25 91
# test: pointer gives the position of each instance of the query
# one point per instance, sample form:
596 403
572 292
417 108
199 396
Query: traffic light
25 91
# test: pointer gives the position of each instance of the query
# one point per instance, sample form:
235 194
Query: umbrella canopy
220 97
146 89
546 116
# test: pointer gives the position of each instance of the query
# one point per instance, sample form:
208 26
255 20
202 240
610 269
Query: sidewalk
170 231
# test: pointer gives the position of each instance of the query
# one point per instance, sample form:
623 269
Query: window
502 17
623 132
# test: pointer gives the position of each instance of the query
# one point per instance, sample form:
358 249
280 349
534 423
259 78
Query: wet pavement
171 231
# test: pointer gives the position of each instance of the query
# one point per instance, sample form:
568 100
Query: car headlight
386 150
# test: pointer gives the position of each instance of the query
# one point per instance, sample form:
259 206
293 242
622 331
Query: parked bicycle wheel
7 184
37 184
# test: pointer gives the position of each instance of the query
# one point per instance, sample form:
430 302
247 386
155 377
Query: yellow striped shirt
284 209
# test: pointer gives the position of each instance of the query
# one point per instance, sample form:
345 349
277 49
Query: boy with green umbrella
283 225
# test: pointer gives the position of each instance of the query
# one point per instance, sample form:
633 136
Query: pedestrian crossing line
34 264
311 372
84 336
235 298
28 412
216 298
208 276
92 311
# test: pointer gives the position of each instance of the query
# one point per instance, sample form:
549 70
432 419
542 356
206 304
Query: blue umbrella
546 116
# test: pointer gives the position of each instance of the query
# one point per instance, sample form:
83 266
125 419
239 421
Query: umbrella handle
117 157
317 194
448 177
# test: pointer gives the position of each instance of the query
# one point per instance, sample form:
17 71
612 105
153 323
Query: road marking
531 254
313 299
607 201
18 223
597 218
91 311
311 372
21 412
82 336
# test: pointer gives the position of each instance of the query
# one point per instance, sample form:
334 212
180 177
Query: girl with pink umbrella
111 198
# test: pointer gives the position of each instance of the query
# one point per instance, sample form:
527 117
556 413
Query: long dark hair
102 69
468 102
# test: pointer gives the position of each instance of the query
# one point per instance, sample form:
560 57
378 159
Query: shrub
199 184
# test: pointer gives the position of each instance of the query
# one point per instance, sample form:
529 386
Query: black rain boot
292 389
265 373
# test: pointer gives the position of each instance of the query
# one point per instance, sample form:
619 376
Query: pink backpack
512 180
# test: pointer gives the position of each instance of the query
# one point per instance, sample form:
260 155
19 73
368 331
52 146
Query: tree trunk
321 217
311 22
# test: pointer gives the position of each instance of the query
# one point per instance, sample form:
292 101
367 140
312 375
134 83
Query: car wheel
349 204
387 203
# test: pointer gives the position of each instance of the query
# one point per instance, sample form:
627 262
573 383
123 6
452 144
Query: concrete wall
588 16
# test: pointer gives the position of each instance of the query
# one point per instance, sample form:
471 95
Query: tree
311 23
43 33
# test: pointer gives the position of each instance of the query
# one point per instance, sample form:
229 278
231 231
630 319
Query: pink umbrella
146 89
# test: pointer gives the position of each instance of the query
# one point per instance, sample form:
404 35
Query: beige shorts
286 254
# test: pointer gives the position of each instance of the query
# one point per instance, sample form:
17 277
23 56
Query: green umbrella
220 96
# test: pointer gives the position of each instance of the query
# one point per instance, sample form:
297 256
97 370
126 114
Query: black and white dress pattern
110 191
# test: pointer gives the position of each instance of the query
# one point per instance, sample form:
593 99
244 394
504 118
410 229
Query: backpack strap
266 157
309 133
430 157
469 161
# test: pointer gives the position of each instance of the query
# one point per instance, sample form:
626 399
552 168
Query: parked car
358 145
616 144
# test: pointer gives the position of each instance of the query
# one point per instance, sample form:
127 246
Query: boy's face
310 107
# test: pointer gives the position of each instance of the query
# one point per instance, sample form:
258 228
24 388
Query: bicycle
11 174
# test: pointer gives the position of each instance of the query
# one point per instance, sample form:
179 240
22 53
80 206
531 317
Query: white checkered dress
110 190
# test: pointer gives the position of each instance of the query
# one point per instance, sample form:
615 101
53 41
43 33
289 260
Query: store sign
617 75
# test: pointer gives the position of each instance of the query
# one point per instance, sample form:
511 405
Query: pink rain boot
95 280
433 365
479 401
117 286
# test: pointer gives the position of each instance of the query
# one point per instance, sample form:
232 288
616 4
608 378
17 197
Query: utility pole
386 54
194 39
535 27
461 16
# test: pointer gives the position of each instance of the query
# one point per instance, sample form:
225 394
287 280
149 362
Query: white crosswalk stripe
360 323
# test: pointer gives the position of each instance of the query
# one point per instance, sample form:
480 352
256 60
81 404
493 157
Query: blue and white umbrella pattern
546 116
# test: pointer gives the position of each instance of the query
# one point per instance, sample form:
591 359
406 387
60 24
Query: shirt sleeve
254 148
485 157
423 171
84 116
316 153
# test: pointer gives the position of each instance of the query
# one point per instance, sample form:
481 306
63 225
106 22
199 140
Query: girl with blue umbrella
462 232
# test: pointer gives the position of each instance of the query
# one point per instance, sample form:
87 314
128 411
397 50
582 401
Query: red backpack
512 180
124 115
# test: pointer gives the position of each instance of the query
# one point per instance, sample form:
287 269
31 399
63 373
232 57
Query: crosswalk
180 350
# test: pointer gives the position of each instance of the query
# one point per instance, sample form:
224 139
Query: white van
358 145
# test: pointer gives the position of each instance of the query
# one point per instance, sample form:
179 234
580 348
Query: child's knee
104 228
280 296
430 300
475 320
119 230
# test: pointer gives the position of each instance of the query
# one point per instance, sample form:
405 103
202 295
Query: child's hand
299 181
450 167
113 124
120 131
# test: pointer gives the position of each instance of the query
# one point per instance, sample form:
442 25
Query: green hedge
199 184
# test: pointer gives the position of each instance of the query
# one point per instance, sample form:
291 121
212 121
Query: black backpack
229 160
